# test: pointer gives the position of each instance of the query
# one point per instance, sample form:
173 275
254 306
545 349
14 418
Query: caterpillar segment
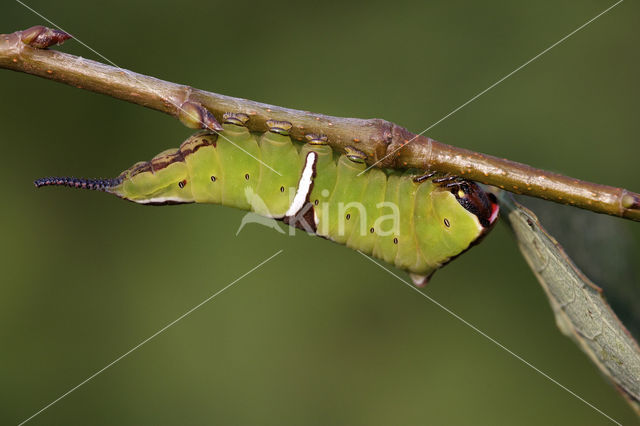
417 222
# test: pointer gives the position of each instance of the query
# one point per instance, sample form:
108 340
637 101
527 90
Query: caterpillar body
416 222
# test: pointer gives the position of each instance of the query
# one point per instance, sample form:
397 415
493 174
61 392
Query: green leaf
580 308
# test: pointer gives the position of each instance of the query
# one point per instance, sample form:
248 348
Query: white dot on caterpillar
325 193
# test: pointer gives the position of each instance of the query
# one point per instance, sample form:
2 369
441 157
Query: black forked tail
95 184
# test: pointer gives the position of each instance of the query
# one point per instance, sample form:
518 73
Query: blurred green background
319 335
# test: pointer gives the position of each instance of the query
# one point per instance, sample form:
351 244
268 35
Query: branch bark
384 143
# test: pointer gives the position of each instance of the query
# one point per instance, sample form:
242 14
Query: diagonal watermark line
482 333
497 82
190 115
148 339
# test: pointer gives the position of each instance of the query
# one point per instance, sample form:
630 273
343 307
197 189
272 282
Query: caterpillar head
476 201
452 217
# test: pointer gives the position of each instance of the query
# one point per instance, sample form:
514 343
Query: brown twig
384 143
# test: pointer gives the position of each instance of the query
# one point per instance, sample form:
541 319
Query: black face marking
446 222
213 178
474 199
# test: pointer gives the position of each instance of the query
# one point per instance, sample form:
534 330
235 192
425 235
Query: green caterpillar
415 222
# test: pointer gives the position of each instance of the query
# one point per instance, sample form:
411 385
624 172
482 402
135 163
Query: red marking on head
495 210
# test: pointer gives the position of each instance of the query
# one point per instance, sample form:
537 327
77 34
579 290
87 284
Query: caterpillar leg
420 280
424 177
445 179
